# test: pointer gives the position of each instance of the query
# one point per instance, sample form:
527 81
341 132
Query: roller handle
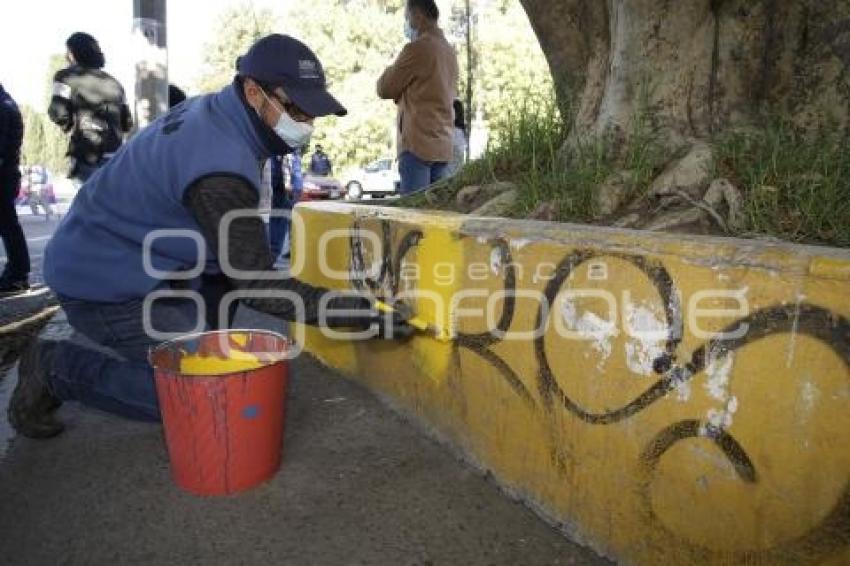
413 321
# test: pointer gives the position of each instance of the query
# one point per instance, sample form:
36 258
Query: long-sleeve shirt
11 135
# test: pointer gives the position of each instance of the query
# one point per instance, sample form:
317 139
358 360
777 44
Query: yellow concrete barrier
665 398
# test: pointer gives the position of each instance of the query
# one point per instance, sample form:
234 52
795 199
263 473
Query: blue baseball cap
281 60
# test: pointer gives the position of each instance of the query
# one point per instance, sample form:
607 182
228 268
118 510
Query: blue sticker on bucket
251 412
191 346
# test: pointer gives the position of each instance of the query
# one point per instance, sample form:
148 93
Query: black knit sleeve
210 199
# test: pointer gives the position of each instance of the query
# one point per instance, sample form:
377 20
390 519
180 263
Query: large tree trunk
699 65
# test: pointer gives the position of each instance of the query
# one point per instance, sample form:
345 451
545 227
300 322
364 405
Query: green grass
525 148
795 186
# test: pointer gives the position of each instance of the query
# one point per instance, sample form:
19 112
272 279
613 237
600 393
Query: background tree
237 29
701 66
512 71
44 143
707 116
32 150
357 39
462 24
56 62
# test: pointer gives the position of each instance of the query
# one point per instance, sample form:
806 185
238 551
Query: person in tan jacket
423 83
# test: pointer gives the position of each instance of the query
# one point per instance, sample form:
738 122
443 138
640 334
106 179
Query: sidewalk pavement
358 485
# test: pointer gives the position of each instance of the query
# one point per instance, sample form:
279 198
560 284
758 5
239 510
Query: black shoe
10 286
32 404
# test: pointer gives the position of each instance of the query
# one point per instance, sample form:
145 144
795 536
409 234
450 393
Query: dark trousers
116 376
18 266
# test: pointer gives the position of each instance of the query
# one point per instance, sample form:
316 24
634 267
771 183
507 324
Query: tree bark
697 66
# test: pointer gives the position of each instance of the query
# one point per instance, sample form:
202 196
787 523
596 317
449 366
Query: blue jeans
278 229
118 380
417 174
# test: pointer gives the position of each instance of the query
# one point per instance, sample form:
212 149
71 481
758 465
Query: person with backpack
89 104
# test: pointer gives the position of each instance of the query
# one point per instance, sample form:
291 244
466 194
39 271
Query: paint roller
416 322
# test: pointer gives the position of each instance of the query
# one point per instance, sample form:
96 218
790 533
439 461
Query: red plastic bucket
224 429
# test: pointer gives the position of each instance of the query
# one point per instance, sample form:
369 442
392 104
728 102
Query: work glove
361 315
393 325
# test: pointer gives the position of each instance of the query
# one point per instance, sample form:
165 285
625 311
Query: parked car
377 180
321 188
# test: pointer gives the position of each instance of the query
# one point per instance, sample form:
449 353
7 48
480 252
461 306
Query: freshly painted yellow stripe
682 400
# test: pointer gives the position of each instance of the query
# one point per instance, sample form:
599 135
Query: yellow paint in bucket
212 365
233 360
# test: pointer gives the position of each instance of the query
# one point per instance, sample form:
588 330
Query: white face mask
294 134
409 31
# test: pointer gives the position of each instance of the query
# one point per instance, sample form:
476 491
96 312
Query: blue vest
96 253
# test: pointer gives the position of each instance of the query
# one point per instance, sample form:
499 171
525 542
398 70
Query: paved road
358 485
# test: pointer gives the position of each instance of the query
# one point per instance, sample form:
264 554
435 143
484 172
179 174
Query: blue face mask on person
409 31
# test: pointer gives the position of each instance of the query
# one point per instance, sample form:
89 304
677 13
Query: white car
379 179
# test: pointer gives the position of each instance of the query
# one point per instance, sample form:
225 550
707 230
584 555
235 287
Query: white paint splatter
590 327
792 340
732 406
647 333
496 261
683 391
721 418
569 313
719 369
809 396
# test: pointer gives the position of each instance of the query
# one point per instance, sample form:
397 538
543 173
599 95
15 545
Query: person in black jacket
89 104
15 275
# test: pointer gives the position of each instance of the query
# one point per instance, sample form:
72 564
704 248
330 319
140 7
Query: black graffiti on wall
831 535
